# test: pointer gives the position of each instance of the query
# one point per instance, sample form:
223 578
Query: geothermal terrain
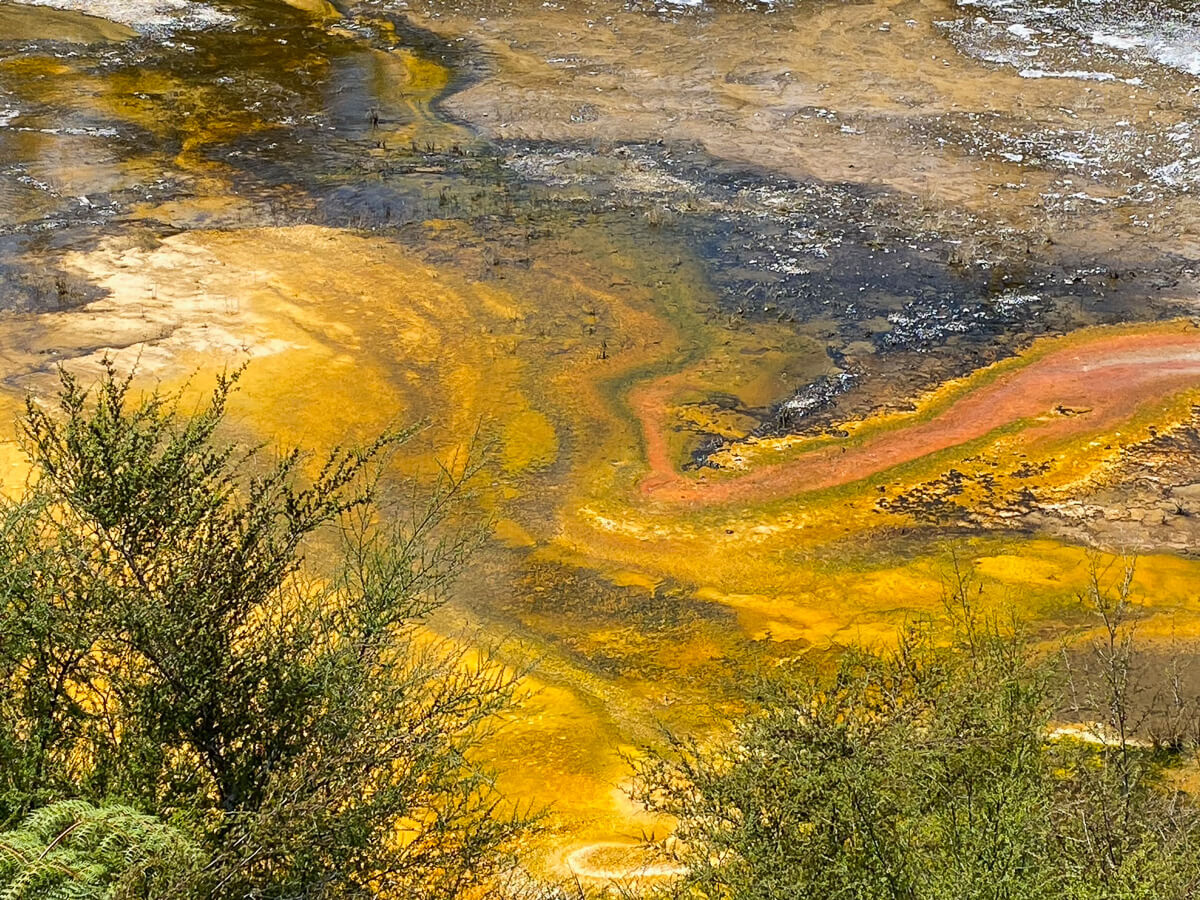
754 316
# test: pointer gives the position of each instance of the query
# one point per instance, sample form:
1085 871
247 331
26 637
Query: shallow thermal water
752 313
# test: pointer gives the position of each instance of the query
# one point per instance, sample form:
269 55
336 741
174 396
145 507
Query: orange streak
1110 377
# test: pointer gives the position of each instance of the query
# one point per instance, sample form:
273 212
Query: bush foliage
933 772
165 643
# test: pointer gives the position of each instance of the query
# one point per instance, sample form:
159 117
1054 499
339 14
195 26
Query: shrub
165 641
931 772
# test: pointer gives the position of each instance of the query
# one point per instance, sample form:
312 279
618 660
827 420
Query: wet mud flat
179 128
900 309
874 93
